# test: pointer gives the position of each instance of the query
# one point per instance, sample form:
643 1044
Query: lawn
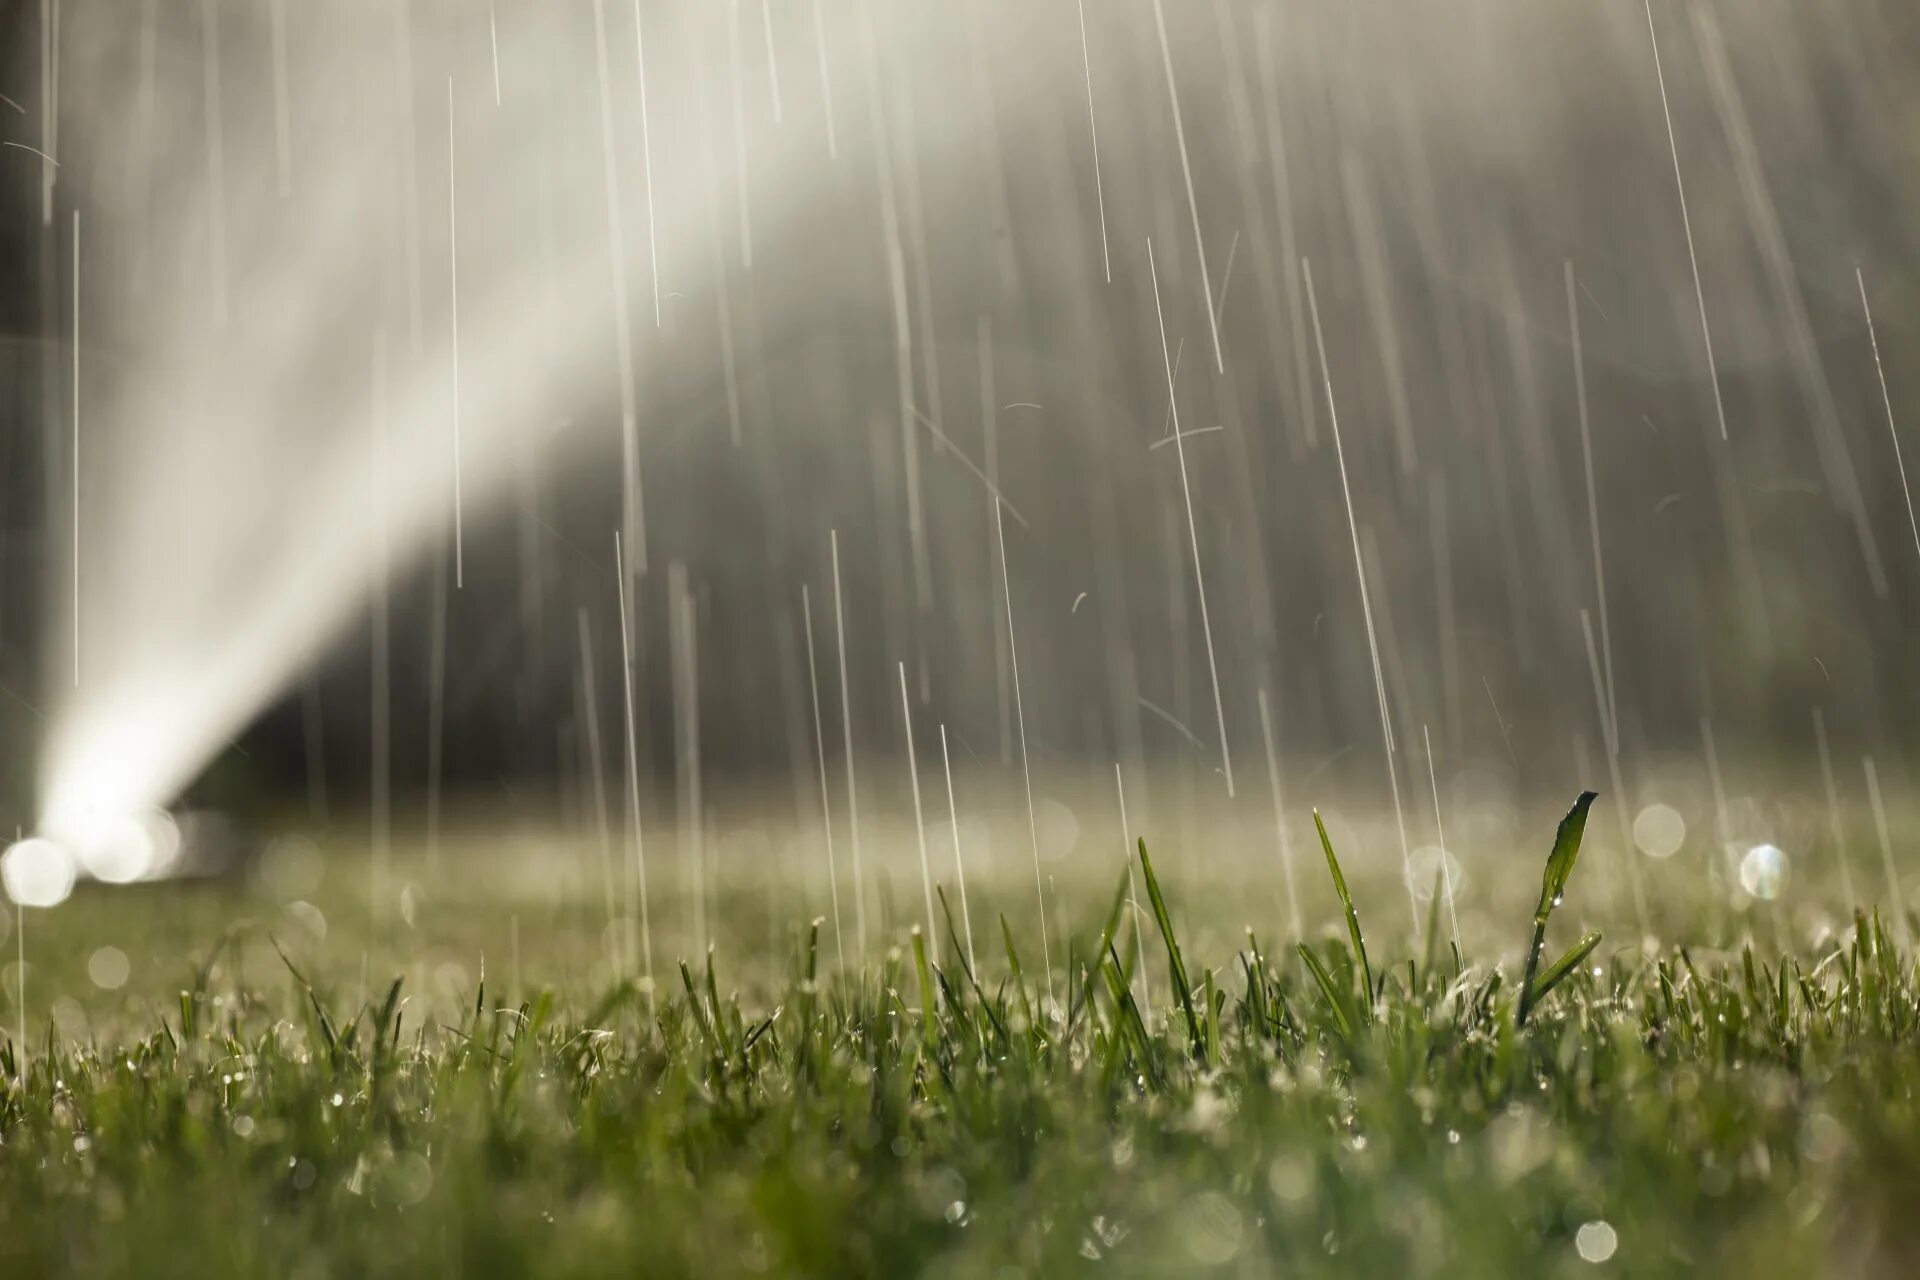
279 1082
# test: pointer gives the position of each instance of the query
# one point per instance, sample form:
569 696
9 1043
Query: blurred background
341 339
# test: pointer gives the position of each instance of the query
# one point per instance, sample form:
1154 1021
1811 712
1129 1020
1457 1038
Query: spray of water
242 484
336 289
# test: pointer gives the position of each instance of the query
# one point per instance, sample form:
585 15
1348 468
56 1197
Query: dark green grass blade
1176 967
924 974
1565 965
1133 1026
1019 979
1213 1023
693 1004
954 938
1553 886
1428 958
1076 1007
386 1023
1353 917
1566 850
1338 1002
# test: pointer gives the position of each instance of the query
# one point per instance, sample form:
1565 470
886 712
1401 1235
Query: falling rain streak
1627 471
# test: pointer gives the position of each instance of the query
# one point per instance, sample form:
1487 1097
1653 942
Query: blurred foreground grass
226 1079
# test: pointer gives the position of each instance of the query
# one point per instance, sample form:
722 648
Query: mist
369 327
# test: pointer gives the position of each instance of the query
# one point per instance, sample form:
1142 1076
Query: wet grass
1319 1110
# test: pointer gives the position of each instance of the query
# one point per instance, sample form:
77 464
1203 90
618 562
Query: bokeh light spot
37 872
1763 871
109 968
1659 830
1596 1240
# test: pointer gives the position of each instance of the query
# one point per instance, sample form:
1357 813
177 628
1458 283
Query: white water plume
825 219
298 411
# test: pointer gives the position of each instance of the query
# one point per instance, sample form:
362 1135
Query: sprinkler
42 870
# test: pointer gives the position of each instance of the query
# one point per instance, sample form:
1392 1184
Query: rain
828 637
650 422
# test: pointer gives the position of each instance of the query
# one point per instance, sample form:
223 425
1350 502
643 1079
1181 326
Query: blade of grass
1553 887
1337 1000
1353 917
1107 931
1019 979
926 978
1176 967
1564 966
1213 1024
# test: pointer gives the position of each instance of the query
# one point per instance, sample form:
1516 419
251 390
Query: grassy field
250 1091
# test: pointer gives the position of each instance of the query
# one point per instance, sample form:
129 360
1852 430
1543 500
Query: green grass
1317 1111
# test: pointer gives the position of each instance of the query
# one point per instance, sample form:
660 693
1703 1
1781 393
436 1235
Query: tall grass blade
1353 917
1176 967
1553 887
